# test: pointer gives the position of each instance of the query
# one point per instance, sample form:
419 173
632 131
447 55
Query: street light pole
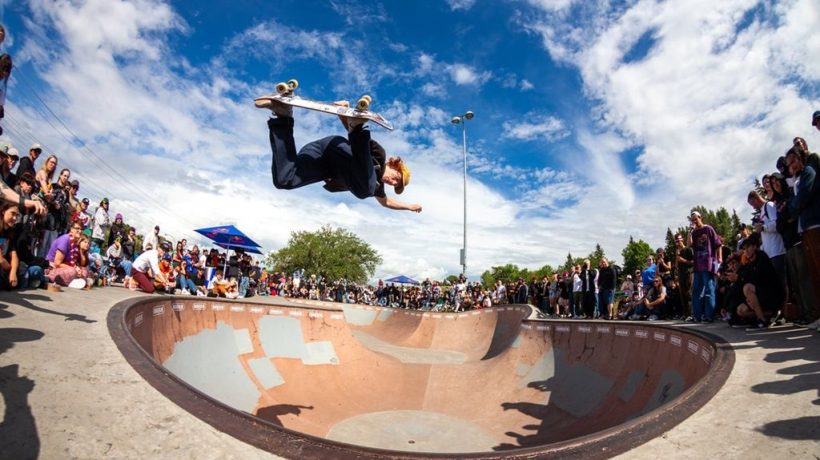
462 120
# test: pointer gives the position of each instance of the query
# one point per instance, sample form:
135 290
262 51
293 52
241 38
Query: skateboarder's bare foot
278 108
354 123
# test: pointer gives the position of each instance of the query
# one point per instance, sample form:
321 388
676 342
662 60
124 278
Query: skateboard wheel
293 83
282 88
363 104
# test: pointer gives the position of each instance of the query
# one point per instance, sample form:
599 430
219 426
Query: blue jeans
34 276
703 296
244 283
186 283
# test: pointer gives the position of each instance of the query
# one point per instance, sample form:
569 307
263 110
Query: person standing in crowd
649 273
45 175
589 288
82 215
55 223
100 225
706 248
26 164
684 256
117 230
766 225
146 268
577 293
129 245
607 280
9 156
151 239
806 206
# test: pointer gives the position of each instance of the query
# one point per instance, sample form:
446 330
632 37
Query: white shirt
151 239
146 260
577 283
772 241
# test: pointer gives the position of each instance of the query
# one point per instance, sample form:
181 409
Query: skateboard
285 94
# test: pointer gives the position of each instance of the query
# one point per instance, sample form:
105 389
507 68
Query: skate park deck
70 393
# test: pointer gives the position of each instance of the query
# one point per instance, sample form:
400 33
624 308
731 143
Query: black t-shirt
684 268
338 184
25 165
761 273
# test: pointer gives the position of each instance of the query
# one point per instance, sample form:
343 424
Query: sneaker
759 326
814 325
653 318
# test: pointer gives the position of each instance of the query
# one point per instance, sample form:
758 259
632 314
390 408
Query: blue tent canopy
229 236
401 279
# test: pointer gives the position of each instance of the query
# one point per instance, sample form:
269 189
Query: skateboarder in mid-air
356 163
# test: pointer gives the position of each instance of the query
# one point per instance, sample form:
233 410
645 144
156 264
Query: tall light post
462 120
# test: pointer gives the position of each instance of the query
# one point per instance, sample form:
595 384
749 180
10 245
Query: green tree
670 244
635 253
596 255
504 273
335 253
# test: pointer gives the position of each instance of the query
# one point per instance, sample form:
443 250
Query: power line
123 180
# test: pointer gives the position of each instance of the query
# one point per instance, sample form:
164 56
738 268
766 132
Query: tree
504 273
670 244
635 253
334 253
596 255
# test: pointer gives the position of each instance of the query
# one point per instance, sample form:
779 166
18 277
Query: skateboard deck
285 95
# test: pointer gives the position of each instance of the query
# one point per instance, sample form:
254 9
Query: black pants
348 162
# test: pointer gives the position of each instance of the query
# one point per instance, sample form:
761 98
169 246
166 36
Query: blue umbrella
251 249
401 279
228 235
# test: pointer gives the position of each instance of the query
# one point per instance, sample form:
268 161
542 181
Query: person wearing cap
706 245
100 224
356 164
145 269
81 214
5 169
815 119
26 163
9 177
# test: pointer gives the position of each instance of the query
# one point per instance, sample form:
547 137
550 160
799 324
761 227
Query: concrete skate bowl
322 380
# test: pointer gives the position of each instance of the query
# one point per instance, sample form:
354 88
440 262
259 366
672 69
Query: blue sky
594 120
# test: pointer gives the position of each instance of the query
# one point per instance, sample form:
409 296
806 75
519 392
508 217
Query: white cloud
460 4
526 85
533 126
707 107
463 74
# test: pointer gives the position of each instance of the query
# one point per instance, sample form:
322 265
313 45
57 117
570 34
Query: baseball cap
165 246
75 183
678 237
37 147
85 200
694 214
815 118
12 152
405 178
104 200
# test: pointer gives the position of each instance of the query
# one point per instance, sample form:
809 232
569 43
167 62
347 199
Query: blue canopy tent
401 279
229 237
